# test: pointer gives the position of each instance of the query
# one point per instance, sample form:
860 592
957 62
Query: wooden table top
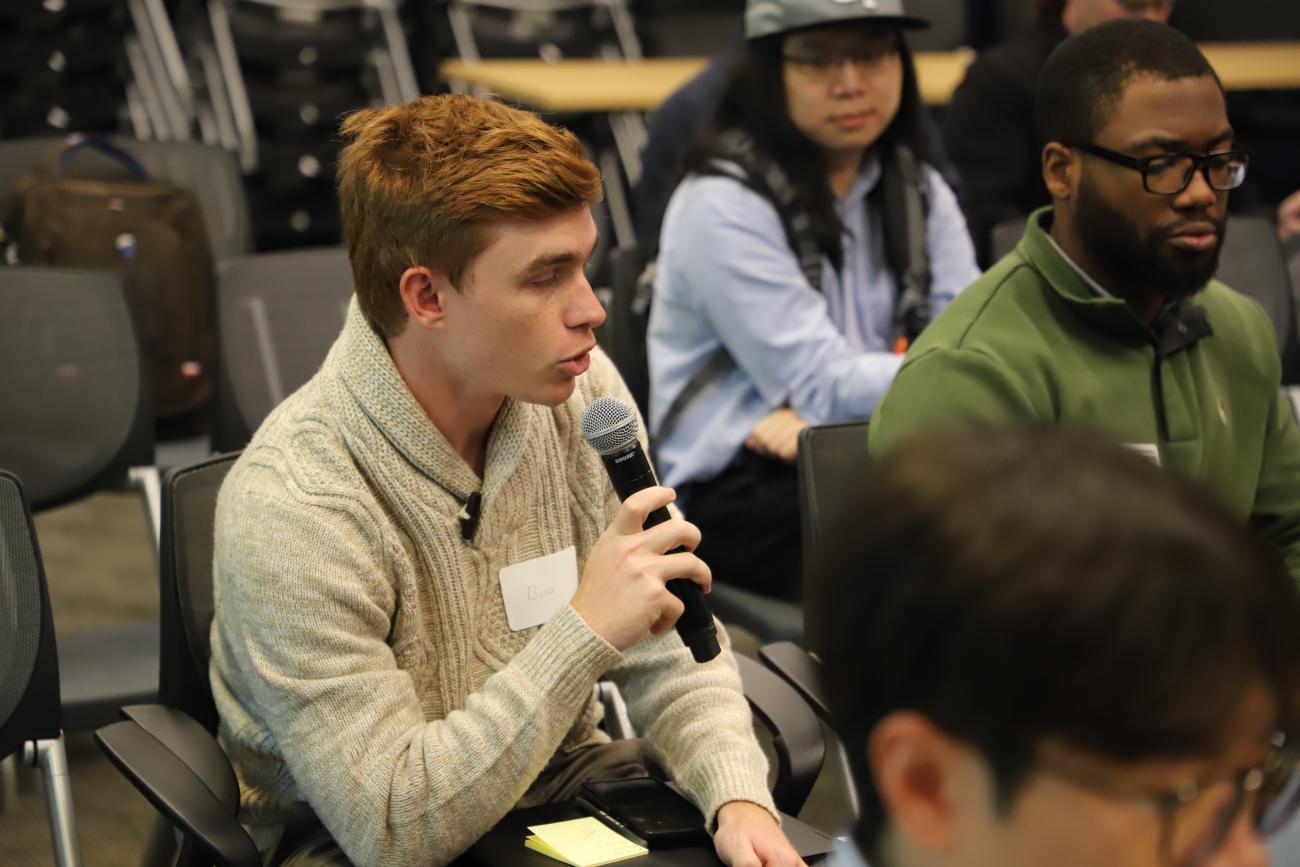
602 86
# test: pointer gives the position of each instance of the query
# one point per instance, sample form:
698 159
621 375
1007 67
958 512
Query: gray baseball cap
765 17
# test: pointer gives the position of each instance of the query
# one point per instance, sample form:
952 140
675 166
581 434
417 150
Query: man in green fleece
420 569
1106 315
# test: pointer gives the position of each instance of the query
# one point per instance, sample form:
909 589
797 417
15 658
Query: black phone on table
653 812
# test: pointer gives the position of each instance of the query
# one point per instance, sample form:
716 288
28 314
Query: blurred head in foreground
1043 649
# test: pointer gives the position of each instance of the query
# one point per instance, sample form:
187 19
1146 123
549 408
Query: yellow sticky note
584 842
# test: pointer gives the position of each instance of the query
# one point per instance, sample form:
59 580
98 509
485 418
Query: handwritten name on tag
536 589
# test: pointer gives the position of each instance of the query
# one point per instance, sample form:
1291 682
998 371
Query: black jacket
989 134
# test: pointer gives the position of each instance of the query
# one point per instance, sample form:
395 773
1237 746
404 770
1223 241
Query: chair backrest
624 332
831 460
551 29
75 406
1252 262
278 314
29 668
797 736
189 505
210 173
1005 236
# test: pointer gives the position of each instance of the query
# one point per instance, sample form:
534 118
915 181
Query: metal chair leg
8 783
51 758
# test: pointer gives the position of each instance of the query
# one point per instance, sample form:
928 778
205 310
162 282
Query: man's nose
588 312
1198 193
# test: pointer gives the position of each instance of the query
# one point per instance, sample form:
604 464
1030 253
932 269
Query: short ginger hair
425 183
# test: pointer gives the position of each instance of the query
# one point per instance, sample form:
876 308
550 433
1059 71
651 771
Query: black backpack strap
717 366
902 199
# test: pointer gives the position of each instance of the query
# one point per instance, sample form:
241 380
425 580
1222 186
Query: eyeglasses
1197 816
1169 174
825 66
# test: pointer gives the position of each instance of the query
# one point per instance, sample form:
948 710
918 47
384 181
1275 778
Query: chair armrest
798 739
179 767
801 670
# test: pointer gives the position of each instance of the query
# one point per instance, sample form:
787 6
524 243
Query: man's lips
576 365
1195 236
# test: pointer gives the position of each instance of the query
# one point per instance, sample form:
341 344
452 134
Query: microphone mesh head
609 425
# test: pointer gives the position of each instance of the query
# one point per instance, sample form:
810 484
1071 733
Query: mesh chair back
831 462
76 412
29 671
210 173
189 502
551 29
278 315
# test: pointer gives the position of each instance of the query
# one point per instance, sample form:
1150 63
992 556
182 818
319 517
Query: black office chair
797 737
168 750
169 753
77 420
803 672
278 314
623 336
1252 262
831 461
30 719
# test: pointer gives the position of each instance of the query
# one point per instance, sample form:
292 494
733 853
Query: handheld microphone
609 426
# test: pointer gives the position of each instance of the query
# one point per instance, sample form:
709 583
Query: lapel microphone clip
469 515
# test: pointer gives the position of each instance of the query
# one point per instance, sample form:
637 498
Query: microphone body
630 471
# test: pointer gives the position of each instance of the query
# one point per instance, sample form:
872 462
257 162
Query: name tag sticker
536 589
1146 450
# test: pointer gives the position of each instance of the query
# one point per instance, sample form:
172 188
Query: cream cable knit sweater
361 655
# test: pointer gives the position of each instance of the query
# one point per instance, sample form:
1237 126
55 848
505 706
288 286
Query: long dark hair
753 100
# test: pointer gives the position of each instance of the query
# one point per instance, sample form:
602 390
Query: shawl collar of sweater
366 369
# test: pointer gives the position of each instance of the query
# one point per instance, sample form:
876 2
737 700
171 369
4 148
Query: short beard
1147 265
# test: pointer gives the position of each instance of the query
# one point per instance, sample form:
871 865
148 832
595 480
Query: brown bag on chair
151 233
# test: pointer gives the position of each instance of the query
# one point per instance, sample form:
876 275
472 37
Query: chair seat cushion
101 671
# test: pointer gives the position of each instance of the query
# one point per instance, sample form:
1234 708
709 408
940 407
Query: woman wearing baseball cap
806 246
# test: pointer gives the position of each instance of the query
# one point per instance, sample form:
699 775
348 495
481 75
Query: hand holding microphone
623 593
641 575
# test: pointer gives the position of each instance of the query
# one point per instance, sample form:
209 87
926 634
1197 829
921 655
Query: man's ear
915 767
1061 167
424 292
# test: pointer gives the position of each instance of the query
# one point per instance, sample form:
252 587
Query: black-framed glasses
826 65
1169 174
1197 816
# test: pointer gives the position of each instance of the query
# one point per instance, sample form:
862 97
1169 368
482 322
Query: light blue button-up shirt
727 277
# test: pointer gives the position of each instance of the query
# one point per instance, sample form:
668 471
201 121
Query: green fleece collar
1108 314
1179 325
